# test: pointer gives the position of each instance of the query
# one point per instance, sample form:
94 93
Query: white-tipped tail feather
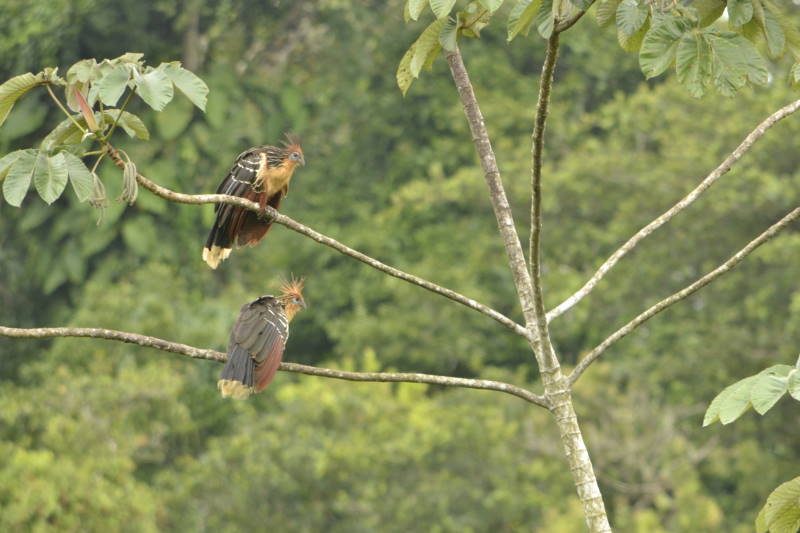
215 255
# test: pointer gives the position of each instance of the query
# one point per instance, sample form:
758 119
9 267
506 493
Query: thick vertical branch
529 291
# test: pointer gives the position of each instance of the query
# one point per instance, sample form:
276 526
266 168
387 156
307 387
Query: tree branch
773 230
293 225
537 144
718 172
497 194
211 355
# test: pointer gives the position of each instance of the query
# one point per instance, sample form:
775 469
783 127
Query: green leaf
766 392
491 5
729 404
740 12
111 86
403 75
736 61
129 122
521 17
582 4
188 83
793 384
14 88
155 88
545 19
7 161
18 179
708 11
50 176
631 16
660 45
129 57
606 12
415 8
773 32
442 8
736 400
448 37
79 176
782 510
632 43
693 63
83 71
426 45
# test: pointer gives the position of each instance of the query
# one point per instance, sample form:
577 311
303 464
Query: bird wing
261 330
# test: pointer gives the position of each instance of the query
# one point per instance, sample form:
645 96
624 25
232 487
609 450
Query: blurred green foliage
98 435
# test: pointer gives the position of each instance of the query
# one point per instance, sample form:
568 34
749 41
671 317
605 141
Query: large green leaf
631 16
111 86
632 43
781 513
442 8
708 11
415 8
736 61
606 11
403 75
491 5
188 83
545 19
426 45
693 62
740 12
521 17
448 37
660 45
7 161
50 176
771 27
766 392
79 176
155 88
794 384
18 179
129 122
729 404
14 88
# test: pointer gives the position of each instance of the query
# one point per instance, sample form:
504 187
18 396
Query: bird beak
303 305
302 160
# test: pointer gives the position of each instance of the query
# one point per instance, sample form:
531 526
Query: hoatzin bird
257 341
261 174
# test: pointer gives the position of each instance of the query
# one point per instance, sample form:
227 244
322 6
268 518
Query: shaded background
98 435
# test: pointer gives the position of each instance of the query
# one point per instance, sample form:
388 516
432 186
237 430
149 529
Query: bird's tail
238 377
218 245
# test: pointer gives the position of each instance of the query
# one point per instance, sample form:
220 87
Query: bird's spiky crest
292 143
292 288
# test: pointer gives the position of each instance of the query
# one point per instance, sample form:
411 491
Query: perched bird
257 341
261 174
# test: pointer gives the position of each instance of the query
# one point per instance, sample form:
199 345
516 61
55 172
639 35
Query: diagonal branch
718 172
211 355
568 23
500 205
293 225
682 294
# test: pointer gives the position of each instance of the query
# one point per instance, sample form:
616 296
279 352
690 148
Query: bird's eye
296 301
295 156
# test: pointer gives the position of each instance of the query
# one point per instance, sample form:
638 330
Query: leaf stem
64 109
107 136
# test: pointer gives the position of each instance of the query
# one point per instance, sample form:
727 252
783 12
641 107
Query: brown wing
261 330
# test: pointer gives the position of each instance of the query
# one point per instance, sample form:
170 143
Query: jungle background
102 436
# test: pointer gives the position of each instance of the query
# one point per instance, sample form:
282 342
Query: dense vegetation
103 436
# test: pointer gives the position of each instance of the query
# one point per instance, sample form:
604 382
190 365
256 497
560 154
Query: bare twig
293 225
211 355
773 230
718 172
